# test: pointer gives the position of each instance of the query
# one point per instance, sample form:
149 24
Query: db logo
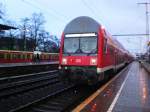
78 60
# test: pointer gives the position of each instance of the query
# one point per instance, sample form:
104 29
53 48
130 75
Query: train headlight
64 61
93 61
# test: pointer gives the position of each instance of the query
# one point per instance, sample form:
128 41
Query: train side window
14 56
28 56
8 56
49 56
105 46
1 56
111 49
5 56
11 56
20 56
23 56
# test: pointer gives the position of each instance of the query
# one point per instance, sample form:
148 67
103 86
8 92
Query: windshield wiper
79 51
67 53
92 52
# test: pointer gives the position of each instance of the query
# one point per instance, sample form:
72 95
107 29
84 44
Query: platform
146 65
129 91
26 64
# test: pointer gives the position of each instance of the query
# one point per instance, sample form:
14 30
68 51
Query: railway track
62 101
20 91
41 92
15 79
18 70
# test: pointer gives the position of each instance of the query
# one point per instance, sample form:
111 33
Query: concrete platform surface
146 65
129 91
135 96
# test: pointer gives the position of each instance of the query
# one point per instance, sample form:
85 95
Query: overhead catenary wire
94 12
56 12
90 9
50 13
146 4
136 39
130 34
99 12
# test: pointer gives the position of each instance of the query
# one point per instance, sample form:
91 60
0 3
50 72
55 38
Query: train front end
79 51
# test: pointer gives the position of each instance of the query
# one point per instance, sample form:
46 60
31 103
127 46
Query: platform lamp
146 4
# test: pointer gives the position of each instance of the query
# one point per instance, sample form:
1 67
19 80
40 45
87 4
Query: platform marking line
118 94
93 96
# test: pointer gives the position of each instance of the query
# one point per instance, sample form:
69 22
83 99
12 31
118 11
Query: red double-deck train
9 56
87 52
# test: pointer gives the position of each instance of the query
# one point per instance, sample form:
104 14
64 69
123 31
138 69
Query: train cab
87 52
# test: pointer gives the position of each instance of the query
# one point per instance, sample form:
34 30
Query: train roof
82 24
114 42
87 25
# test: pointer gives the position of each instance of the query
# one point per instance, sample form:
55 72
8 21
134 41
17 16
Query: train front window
88 44
80 45
71 45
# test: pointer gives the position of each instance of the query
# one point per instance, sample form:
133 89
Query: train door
115 60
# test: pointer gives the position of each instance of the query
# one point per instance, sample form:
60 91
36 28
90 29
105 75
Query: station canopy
6 27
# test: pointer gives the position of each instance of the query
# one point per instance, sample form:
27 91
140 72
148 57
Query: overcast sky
117 16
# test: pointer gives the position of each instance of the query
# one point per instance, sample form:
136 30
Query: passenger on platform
37 57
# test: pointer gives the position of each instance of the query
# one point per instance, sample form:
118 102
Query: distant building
11 42
8 43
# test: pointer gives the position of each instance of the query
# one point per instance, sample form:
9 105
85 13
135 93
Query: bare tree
41 39
24 28
33 29
37 24
2 12
55 43
47 42
56 40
